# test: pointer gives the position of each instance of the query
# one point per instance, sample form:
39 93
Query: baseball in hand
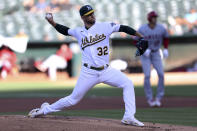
48 15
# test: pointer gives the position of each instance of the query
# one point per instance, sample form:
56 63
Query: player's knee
147 77
128 84
161 75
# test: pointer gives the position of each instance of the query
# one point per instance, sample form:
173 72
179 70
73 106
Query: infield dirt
58 123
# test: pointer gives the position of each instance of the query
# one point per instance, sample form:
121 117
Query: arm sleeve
62 29
165 39
127 29
165 42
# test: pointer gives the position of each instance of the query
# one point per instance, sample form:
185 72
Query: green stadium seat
128 12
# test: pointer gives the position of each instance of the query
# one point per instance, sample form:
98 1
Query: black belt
95 68
154 50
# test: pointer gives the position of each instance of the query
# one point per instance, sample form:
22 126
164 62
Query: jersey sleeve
140 30
165 34
113 27
72 32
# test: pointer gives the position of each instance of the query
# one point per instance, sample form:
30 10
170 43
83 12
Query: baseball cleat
38 111
133 122
151 103
35 113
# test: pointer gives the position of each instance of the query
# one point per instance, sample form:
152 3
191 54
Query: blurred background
25 18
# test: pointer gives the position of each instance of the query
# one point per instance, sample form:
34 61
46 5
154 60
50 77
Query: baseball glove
141 45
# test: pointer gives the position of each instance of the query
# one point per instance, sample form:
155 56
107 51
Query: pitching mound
58 123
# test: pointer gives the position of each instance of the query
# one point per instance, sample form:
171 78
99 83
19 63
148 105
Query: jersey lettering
92 40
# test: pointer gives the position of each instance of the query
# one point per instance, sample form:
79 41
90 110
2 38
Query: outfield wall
182 52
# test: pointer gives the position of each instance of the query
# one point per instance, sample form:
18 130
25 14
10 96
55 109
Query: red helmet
151 15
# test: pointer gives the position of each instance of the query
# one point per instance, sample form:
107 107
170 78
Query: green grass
25 86
49 89
178 116
175 116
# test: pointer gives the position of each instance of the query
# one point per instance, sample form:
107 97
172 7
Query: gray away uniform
155 39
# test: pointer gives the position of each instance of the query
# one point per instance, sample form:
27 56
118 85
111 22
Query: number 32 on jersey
102 51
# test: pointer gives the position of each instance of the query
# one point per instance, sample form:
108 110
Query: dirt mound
59 123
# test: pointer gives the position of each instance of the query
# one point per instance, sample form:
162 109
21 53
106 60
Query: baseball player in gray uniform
93 39
156 34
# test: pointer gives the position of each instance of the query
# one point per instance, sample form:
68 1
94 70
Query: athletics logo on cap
86 10
89 8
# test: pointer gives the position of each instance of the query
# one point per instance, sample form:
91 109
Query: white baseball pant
89 78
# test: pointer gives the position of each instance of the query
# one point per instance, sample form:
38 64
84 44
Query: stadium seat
127 12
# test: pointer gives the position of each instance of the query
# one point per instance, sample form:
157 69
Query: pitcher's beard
91 22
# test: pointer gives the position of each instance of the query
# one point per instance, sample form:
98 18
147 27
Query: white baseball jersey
94 42
154 36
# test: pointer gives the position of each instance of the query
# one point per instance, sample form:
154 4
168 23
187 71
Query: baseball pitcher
93 39
155 34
